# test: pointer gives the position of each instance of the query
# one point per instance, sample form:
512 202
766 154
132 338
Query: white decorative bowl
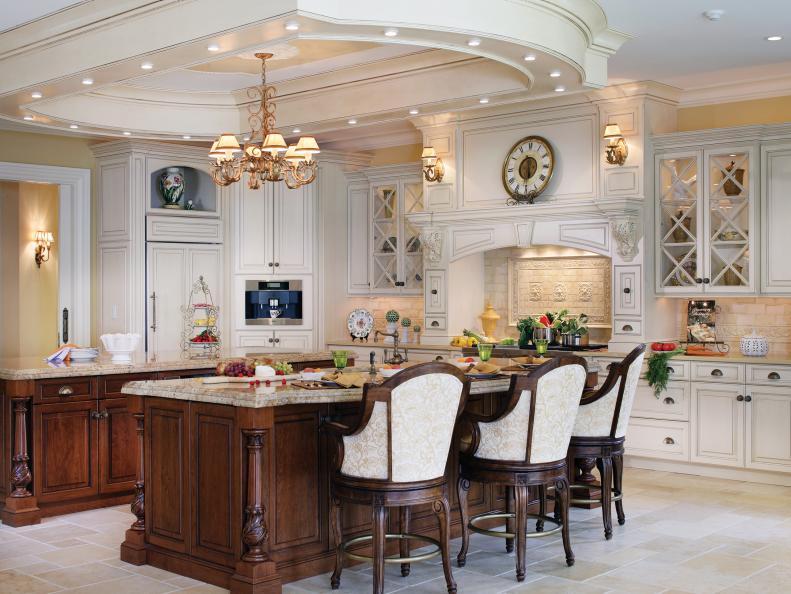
388 372
265 371
312 376
754 345
120 346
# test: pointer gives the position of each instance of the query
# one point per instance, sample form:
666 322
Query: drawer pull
627 290
627 328
669 400
739 398
716 372
433 291
434 324
65 391
669 440
670 370
748 398
773 376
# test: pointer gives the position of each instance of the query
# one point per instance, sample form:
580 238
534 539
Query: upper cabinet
775 216
385 254
706 208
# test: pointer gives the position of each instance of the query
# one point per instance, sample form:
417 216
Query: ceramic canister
754 345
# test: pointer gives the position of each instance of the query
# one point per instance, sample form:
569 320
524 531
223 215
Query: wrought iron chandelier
265 157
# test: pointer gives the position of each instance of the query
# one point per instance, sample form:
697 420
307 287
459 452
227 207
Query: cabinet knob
433 291
270 264
748 398
627 328
739 398
271 340
669 440
699 280
65 391
277 340
627 290
716 372
773 376
706 281
277 264
669 400
95 415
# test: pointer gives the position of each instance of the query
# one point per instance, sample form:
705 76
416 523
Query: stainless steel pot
573 340
547 334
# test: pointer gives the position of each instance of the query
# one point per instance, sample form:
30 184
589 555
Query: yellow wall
34 308
394 155
773 110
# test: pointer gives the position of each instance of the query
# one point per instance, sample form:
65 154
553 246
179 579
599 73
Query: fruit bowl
312 375
120 346
389 371
465 362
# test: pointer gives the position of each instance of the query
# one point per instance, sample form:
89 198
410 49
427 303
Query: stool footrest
504 533
615 496
369 537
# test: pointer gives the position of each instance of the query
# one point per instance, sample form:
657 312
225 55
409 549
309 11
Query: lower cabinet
718 423
277 340
768 424
117 446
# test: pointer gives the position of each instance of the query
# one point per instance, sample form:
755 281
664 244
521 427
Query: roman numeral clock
527 169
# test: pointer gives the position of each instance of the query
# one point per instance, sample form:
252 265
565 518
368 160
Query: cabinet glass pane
678 221
413 250
729 219
385 236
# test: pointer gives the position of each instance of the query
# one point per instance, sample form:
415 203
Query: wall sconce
433 169
617 151
44 241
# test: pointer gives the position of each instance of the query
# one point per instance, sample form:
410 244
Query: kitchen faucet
397 358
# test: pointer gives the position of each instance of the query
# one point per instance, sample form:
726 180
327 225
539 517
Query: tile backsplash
407 307
737 316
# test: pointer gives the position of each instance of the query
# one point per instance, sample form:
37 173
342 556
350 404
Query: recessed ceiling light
555 74
391 32
186 137
530 58
474 42
87 81
296 131
74 126
146 65
774 38
560 89
414 111
126 133
352 122
483 100
714 14
36 95
213 48
29 118
292 26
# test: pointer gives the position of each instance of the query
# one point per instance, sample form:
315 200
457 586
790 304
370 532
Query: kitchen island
68 439
234 480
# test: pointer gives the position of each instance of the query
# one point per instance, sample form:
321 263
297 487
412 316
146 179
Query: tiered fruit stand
201 335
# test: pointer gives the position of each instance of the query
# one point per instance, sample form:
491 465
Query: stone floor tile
729 565
581 570
51 534
775 579
204 589
556 585
82 575
136 584
13 582
37 568
79 555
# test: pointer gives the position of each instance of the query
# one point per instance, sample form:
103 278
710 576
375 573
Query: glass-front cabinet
705 221
396 250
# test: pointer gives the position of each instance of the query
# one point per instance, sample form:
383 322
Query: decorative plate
360 323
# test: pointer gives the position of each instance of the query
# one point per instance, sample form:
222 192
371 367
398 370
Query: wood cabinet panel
65 458
65 390
118 448
358 233
110 385
167 467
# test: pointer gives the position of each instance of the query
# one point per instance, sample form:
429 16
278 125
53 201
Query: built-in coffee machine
273 302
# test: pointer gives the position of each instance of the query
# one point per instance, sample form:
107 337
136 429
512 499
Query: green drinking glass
340 359
485 351
541 346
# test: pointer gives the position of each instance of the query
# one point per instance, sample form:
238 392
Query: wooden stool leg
442 509
521 497
562 500
542 507
617 479
462 489
379 518
510 523
337 531
403 545
605 470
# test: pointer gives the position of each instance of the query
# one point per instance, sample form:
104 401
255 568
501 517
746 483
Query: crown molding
724 135
731 92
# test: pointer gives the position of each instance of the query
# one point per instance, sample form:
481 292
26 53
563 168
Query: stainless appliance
273 303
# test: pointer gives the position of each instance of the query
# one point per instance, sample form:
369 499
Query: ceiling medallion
265 156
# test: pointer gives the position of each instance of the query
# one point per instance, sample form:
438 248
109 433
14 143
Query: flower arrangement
575 326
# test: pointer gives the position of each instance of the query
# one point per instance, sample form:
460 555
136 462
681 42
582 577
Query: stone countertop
235 394
345 342
33 368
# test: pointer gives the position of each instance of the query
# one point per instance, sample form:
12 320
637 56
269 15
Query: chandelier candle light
265 157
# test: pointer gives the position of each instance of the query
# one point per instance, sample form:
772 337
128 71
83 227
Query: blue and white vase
171 187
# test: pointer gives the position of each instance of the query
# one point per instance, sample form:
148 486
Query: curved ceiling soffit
581 21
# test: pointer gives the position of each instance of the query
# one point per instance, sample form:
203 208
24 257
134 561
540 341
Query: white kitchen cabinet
358 239
435 292
672 404
627 298
293 341
705 221
172 269
768 424
717 422
273 230
775 215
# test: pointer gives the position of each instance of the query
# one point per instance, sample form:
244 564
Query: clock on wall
527 169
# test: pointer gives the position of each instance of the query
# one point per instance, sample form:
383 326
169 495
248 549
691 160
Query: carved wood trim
255 531
21 475
138 499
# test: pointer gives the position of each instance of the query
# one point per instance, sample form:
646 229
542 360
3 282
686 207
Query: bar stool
524 445
396 456
600 431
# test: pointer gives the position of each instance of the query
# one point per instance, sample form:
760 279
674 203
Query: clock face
528 167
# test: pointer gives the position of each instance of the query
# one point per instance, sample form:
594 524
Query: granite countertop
345 342
32 368
235 394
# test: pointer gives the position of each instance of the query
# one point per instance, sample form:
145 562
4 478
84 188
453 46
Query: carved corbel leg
21 506
133 548
255 573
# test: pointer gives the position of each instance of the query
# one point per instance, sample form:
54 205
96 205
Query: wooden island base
238 496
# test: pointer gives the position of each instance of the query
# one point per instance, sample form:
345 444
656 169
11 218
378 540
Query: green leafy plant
658 372
576 326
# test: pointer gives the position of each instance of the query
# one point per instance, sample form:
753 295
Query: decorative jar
171 187
754 345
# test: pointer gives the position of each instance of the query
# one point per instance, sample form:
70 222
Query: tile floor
683 534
